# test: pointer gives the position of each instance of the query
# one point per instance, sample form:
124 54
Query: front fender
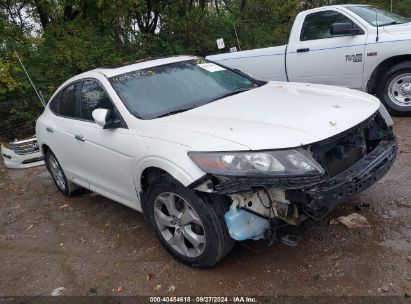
384 52
186 173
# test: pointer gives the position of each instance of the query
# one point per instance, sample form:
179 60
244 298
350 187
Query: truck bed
264 64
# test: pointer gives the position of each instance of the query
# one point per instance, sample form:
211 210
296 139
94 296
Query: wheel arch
149 175
44 148
152 167
381 68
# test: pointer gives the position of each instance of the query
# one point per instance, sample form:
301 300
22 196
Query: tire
60 180
194 231
394 89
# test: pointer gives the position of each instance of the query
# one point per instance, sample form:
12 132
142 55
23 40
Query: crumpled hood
276 115
399 29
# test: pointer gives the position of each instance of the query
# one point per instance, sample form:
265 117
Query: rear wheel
66 187
190 227
394 89
57 173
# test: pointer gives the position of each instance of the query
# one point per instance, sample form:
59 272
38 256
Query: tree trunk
42 12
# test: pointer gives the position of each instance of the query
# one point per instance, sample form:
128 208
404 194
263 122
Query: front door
318 57
106 163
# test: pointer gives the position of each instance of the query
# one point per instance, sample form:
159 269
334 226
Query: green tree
57 39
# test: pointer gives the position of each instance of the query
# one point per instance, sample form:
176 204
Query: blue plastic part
243 225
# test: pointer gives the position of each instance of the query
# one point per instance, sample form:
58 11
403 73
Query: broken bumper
316 196
23 154
315 201
322 198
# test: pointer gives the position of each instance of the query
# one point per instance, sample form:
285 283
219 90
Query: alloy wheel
57 172
179 224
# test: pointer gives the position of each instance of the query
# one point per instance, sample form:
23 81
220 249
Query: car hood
398 29
276 115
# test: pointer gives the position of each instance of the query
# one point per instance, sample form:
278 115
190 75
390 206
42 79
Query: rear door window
68 101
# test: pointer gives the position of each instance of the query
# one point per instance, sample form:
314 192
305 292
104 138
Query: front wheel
394 89
191 228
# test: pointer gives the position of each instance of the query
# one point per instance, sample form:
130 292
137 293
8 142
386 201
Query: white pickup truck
354 46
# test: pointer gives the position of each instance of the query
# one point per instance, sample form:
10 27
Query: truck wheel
394 89
191 228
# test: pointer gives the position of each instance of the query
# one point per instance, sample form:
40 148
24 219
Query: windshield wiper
231 94
176 111
391 23
192 107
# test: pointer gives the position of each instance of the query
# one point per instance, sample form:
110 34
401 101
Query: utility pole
391 5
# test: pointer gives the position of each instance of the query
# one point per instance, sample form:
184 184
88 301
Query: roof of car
111 71
127 67
357 4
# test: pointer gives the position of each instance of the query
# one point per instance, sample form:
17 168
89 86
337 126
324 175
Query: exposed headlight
293 162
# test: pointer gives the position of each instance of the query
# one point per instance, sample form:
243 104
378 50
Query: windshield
375 16
172 88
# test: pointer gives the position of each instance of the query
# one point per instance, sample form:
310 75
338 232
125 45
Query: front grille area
338 155
24 147
341 152
321 199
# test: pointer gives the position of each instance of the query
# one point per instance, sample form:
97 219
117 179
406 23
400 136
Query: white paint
100 116
274 116
325 63
17 160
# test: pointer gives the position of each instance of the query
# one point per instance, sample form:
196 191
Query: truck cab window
318 25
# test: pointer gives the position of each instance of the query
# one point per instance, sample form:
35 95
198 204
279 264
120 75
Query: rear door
318 57
104 155
63 131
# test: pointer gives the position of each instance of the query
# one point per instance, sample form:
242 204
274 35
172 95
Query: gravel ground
93 246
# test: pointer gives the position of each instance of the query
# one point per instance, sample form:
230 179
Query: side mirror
346 28
101 116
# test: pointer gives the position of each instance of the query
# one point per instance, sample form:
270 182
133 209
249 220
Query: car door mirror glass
101 116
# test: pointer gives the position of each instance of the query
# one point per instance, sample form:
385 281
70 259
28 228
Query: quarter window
67 105
93 97
318 25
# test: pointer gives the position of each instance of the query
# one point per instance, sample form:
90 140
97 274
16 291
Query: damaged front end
279 207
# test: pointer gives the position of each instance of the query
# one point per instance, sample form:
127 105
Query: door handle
48 129
303 50
80 138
